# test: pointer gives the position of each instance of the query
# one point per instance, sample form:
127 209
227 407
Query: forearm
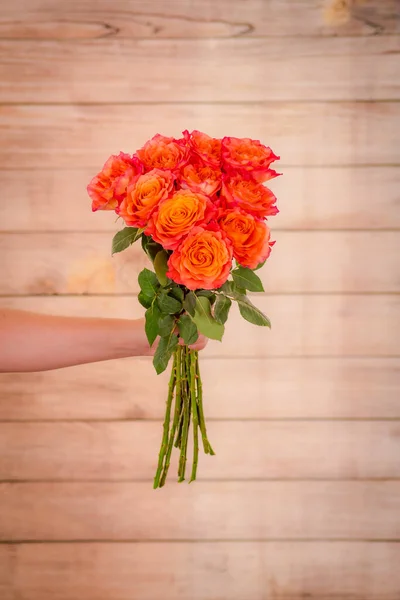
33 342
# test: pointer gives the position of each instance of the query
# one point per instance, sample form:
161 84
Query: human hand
198 345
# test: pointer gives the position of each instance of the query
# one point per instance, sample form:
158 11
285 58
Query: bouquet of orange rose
197 204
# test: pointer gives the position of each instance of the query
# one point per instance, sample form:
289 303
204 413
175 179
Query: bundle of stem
186 388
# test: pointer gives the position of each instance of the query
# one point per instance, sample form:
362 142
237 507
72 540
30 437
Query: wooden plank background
303 497
48 71
64 511
354 133
225 18
100 571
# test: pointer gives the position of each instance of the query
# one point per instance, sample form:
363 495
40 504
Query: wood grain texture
133 511
7 554
33 136
281 388
327 198
326 69
202 18
301 261
128 450
303 325
204 571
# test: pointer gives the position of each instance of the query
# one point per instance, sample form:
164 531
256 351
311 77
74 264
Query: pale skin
31 342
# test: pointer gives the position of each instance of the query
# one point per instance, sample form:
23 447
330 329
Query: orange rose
249 236
163 153
206 147
248 156
202 261
107 188
249 195
144 195
176 217
201 178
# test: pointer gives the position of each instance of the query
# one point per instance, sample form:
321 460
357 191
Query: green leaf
150 247
189 303
251 313
230 288
227 287
221 308
207 294
204 320
144 300
236 289
165 348
152 316
148 283
161 266
145 240
166 325
168 305
177 292
124 238
246 278
187 330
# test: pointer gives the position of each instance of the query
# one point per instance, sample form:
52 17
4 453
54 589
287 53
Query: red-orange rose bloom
202 260
201 178
248 157
249 195
144 195
204 146
107 189
176 217
249 236
163 153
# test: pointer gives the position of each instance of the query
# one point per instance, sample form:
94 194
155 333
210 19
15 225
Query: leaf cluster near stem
232 292
164 305
125 238
172 310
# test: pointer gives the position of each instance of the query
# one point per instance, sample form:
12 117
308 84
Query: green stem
193 362
179 430
206 444
182 382
186 419
164 442
188 383
177 414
